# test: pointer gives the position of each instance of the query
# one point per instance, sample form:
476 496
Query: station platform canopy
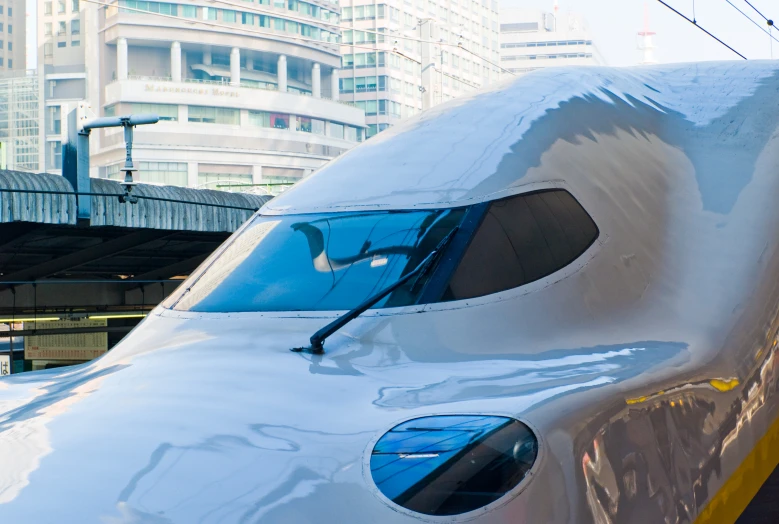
124 256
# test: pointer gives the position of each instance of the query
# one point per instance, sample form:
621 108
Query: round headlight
452 464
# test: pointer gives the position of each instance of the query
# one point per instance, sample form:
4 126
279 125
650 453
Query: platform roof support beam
85 256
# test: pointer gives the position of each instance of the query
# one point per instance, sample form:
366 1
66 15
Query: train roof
486 145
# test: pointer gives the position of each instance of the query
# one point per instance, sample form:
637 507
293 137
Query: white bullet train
555 301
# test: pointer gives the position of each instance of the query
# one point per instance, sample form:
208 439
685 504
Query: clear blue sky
614 24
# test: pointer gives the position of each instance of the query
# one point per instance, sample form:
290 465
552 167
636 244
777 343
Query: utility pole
428 32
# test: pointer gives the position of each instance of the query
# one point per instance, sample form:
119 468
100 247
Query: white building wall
532 40
261 116
397 60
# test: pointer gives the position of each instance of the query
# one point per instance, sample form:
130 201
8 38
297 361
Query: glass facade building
382 54
19 121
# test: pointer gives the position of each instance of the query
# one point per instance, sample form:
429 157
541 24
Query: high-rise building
19 121
383 53
247 92
13 36
532 40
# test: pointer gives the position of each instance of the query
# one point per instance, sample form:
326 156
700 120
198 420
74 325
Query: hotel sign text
211 91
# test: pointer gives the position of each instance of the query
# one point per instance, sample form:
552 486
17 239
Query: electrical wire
696 24
394 52
756 10
751 20
143 197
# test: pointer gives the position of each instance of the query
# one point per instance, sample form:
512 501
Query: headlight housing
452 464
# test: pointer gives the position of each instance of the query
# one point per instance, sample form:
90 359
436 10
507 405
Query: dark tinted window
522 239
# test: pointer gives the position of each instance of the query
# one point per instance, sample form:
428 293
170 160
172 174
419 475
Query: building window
1 44
48 49
273 120
369 107
166 112
10 63
335 130
228 16
60 6
109 110
55 155
47 8
75 43
10 46
259 118
310 125
54 120
167 173
151 7
214 115
1 10
47 29
62 44
347 85
75 27
209 13
74 6
351 133
221 180
189 11
10 12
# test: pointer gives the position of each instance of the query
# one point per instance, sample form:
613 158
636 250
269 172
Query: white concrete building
532 40
383 73
13 35
246 91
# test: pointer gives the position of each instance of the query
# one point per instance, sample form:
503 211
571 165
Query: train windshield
337 261
319 262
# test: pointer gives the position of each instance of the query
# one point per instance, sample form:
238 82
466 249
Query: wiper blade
317 340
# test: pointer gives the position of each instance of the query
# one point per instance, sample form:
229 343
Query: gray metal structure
51 199
92 262
646 368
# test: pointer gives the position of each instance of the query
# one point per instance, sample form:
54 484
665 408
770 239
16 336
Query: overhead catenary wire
277 35
398 53
751 20
117 195
696 24
757 11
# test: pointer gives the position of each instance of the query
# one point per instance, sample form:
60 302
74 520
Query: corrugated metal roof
32 207
108 211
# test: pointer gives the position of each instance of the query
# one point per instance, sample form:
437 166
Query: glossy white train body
645 367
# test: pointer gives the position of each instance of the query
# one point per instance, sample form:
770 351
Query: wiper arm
318 339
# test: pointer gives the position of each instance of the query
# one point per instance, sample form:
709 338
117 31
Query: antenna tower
645 40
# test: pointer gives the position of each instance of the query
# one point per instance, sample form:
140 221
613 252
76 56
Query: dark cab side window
522 239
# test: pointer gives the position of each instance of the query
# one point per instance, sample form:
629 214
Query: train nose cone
198 429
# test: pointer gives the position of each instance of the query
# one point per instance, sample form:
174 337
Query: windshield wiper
318 339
